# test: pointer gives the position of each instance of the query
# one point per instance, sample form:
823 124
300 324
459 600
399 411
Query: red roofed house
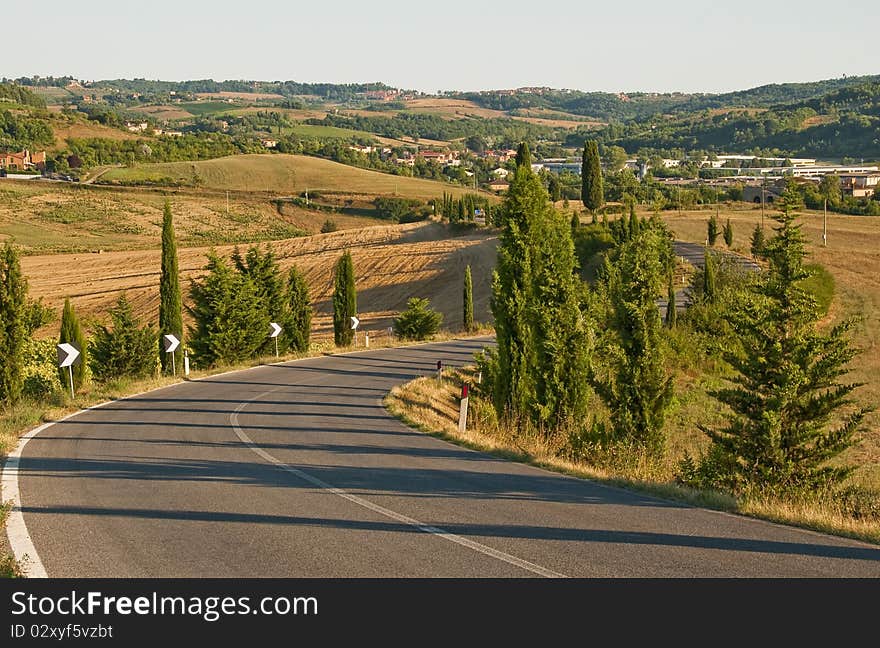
22 161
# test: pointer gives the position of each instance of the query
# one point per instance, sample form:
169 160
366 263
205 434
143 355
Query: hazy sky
623 45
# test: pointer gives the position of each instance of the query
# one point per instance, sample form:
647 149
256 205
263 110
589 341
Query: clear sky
621 45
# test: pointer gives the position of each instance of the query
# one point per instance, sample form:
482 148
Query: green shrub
126 350
329 226
418 321
39 371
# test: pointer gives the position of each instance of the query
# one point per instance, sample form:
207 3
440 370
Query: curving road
296 470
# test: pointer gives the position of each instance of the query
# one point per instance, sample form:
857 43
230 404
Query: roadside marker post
439 370
171 343
354 327
185 362
67 356
366 340
463 408
274 333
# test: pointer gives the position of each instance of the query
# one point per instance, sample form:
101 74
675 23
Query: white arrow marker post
354 325
171 344
274 333
67 355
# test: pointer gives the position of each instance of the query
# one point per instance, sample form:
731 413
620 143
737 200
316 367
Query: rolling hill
279 174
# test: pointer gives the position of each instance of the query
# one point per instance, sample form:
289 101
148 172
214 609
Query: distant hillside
280 174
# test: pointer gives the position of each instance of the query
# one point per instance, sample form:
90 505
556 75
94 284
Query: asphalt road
296 470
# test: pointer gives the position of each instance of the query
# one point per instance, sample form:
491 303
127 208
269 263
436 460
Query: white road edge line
381 510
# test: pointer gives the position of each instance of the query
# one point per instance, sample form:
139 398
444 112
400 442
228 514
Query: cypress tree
575 222
592 193
344 301
712 230
790 414
13 329
72 333
633 382
523 156
554 188
298 324
634 226
671 314
595 219
710 272
170 304
757 243
468 301
728 234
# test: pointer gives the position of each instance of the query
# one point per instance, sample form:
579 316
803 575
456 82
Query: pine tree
728 234
790 414
298 323
523 156
344 301
468 301
13 329
710 277
712 230
631 377
418 321
126 349
671 314
592 193
170 304
757 243
231 322
263 271
72 333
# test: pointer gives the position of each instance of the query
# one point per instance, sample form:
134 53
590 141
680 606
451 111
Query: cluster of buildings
22 161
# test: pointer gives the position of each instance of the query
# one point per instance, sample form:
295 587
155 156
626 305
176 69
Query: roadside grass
27 414
431 406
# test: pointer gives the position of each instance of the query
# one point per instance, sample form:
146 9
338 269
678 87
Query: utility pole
763 180
825 225
227 202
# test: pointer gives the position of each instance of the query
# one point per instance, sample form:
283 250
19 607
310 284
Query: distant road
297 470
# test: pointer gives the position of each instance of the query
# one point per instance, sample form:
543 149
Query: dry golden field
58 217
853 258
282 175
392 263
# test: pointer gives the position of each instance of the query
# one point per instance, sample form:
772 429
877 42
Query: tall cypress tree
727 232
592 193
790 414
170 304
712 230
523 156
757 242
710 273
344 301
13 329
72 333
298 324
467 316
671 314
632 379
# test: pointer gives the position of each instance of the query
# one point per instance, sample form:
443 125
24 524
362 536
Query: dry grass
432 407
65 131
451 108
853 258
283 175
244 96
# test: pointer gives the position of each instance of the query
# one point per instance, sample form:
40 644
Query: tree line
565 343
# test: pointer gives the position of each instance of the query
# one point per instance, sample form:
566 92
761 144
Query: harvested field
392 263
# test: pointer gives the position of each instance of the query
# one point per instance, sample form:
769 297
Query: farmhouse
500 172
137 127
23 160
269 143
498 186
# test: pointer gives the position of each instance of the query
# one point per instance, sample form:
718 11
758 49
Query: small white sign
276 330
354 322
171 343
67 354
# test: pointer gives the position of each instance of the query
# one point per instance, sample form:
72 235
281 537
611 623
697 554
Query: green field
200 108
279 174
